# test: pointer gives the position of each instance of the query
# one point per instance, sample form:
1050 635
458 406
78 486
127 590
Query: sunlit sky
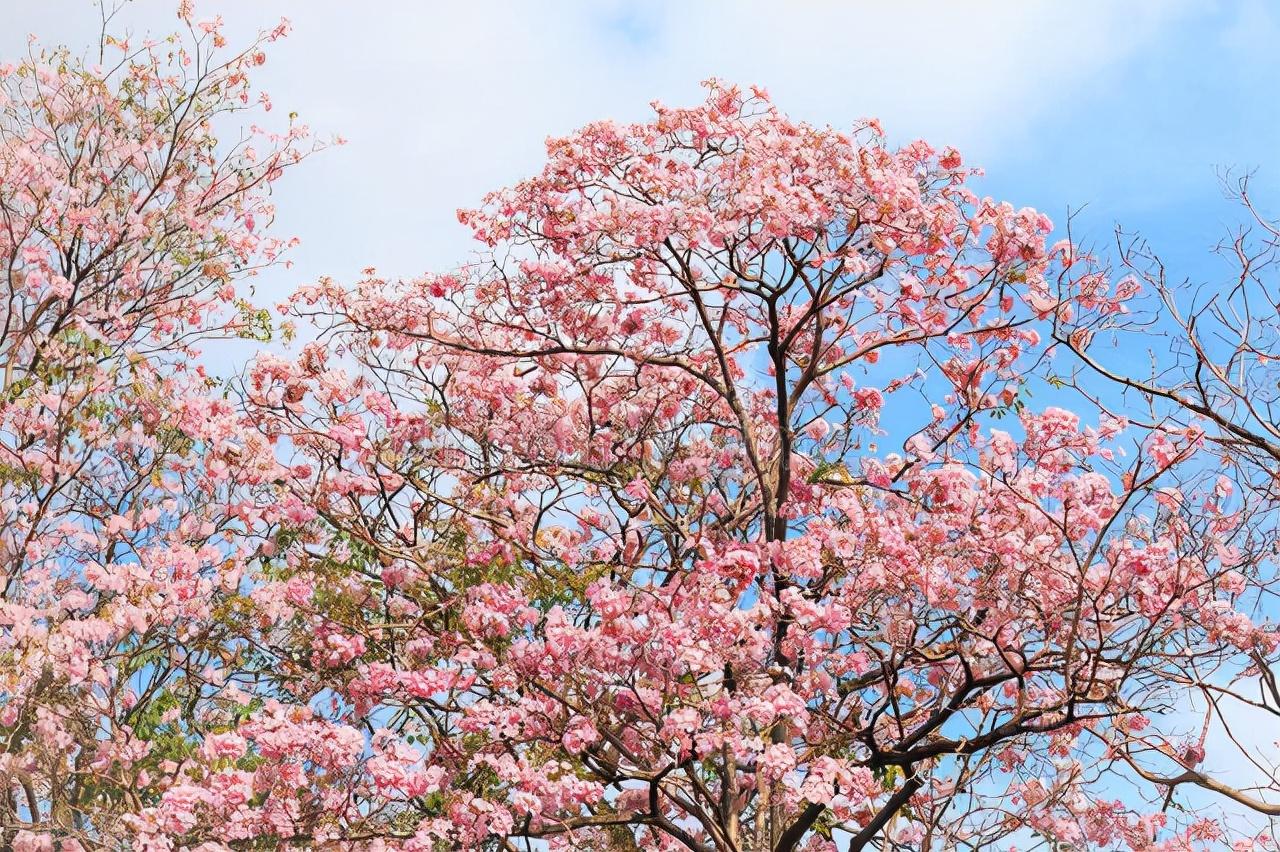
1124 109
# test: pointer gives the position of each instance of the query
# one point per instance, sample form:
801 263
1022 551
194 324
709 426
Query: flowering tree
703 510
596 535
123 225
1214 374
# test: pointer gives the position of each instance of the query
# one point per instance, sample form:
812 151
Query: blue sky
1143 142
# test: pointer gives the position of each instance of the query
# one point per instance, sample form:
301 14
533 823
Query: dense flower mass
702 509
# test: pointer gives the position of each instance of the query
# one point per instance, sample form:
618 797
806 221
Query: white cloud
442 102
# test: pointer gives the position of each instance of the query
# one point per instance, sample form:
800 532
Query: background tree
123 227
